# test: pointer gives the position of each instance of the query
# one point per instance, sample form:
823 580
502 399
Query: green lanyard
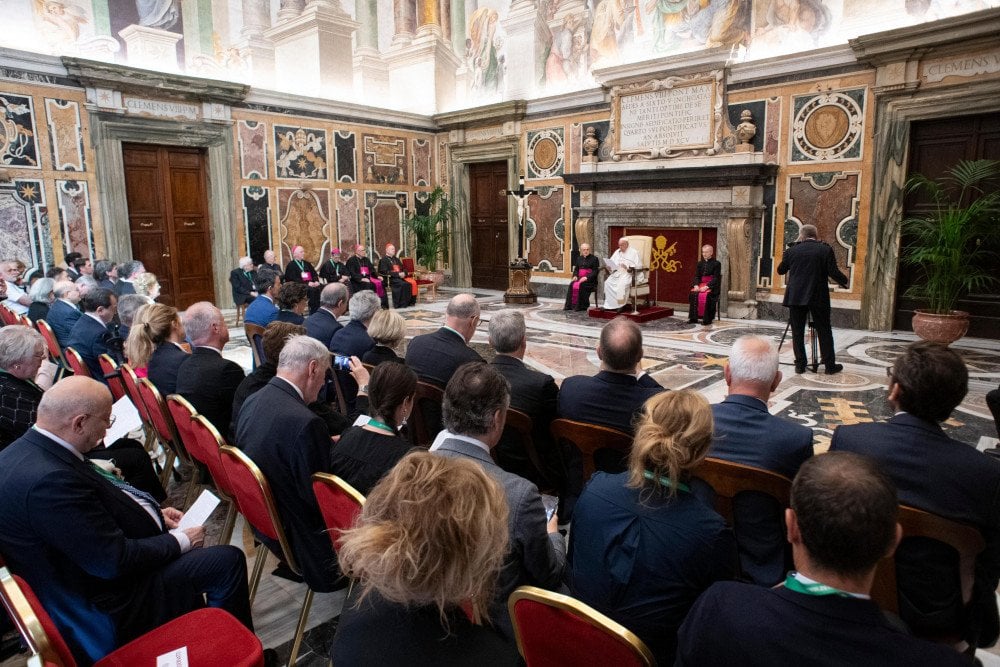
378 424
302 267
247 274
103 473
665 481
792 583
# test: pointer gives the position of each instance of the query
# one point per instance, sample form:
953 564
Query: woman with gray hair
42 294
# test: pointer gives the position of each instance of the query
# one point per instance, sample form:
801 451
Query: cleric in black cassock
404 288
363 275
584 280
299 270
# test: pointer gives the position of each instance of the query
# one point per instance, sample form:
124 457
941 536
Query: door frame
110 131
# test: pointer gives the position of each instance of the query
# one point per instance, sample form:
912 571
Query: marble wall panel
444 173
772 130
766 261
18 137
252 136
383 216
827 126
345 145
546 153
423 163
24 223
256 221
65 134
347 218
828 200
300 152
575 147
546 229
75 218
304 219
384 159
759 111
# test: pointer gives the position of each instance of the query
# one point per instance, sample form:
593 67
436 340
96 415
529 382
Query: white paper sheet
177 658
127 419
199 512
611 264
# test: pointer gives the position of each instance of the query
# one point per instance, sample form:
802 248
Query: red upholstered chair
166 433
206 444
339 503
75 362
7 316
423 285
212 636
51 342
112 374
256 502
131 383
553 630
590 439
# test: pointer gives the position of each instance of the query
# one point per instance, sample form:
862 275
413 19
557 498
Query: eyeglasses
111 419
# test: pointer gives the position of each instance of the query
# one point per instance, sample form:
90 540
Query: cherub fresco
484 57
60 21
793 25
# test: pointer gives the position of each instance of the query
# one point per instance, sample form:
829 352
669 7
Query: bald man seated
107 563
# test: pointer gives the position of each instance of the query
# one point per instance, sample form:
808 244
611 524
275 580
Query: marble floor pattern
679 356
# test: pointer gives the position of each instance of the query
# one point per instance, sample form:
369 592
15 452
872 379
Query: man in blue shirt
262 310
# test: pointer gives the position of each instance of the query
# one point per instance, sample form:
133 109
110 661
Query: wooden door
490 226
168 219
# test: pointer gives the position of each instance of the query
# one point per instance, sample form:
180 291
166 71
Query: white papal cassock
616 285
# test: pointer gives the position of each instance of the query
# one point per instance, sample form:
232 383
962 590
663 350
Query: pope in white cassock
616 285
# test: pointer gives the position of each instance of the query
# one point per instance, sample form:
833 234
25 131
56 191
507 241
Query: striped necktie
131 490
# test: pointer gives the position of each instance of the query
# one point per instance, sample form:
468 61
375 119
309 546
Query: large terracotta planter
940 328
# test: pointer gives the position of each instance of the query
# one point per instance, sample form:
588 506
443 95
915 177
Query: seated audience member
322 324
105 561
83 266
64 311
427 549
206 378
17 299
643 547
57 273
353 340
746 433
153 347
615 395
86 284
841 524
127 273
584 280
69 266
42 295
270 263
387 329
128 306
262 310
475 409
334 270
146 284
242 281
404 288
364 454
301 271
363 276
91 335
288 442
940 475
993 402
704 294
531 392
106 274
292 301
435 356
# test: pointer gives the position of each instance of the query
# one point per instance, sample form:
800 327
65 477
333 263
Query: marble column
525 66
458 26
366 14
404 20
256 18
290 9
428 17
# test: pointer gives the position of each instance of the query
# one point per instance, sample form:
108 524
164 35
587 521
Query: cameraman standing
811 263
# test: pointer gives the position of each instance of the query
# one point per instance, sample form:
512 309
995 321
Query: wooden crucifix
521 195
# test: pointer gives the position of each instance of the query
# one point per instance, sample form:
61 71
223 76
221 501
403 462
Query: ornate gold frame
26 620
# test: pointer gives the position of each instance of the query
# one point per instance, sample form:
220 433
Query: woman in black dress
387 329
293 298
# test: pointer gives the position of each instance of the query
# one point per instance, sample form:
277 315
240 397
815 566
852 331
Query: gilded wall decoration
384 159
18 139
74 215
344 143
300 152
65 134
828 200
304 216
24 223
347 218
252 136
546 153
256 221
545 229
828 126
423 163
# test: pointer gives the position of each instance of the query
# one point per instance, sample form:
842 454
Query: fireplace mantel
664 178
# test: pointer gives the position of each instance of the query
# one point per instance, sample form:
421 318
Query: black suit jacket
84 546
123 287
952 479
741 624
535 394
289 443
61 318
810 264
608 398
163 366
321 325
293 272
351 340
436 356
92 339
242 286
209 382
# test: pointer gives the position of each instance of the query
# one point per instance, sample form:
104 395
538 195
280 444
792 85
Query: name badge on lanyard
306 276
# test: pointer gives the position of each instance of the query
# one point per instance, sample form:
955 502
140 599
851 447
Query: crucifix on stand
519 285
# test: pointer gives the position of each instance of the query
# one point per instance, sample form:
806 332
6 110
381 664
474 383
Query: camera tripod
813 344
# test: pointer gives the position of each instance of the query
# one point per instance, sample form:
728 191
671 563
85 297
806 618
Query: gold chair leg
258 570
228 524
192 491
168 467
300 629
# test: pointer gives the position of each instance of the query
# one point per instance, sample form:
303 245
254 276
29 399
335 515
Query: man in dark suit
242 281
841 524
706 284
810 263
745 432
940 475
435 356
127 273
263 310
206 378
270 263
993 402
106 562
323 324
475 407
532 393
613 396
64 311
77 265
289 443
353 340
106 274
91 335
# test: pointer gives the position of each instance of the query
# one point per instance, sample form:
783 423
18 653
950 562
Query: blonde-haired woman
431 538
146 284
387 329
153 346
643 547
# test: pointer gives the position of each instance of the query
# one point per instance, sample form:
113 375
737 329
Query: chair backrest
643 245
590 439
254 498
76 363
51 342
160 418
729 479
339 503
206 445
112 375
965 539
131 383
252 330
33 623
554 630
182 412
521 427
7 315
408 265
425 419
24 320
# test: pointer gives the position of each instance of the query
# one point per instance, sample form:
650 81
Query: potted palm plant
430 231
952 244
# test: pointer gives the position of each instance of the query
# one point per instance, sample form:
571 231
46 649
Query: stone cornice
95 74
492 114
303 105
956 33
685 63
643 179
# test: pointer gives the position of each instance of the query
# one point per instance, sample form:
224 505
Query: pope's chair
256 503
423 284
211 636
339 503
643 246
553 630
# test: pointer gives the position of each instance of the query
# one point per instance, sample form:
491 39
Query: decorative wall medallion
545 153
74 214
252 137
18 147
65 136
384 159
300 152
828 126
